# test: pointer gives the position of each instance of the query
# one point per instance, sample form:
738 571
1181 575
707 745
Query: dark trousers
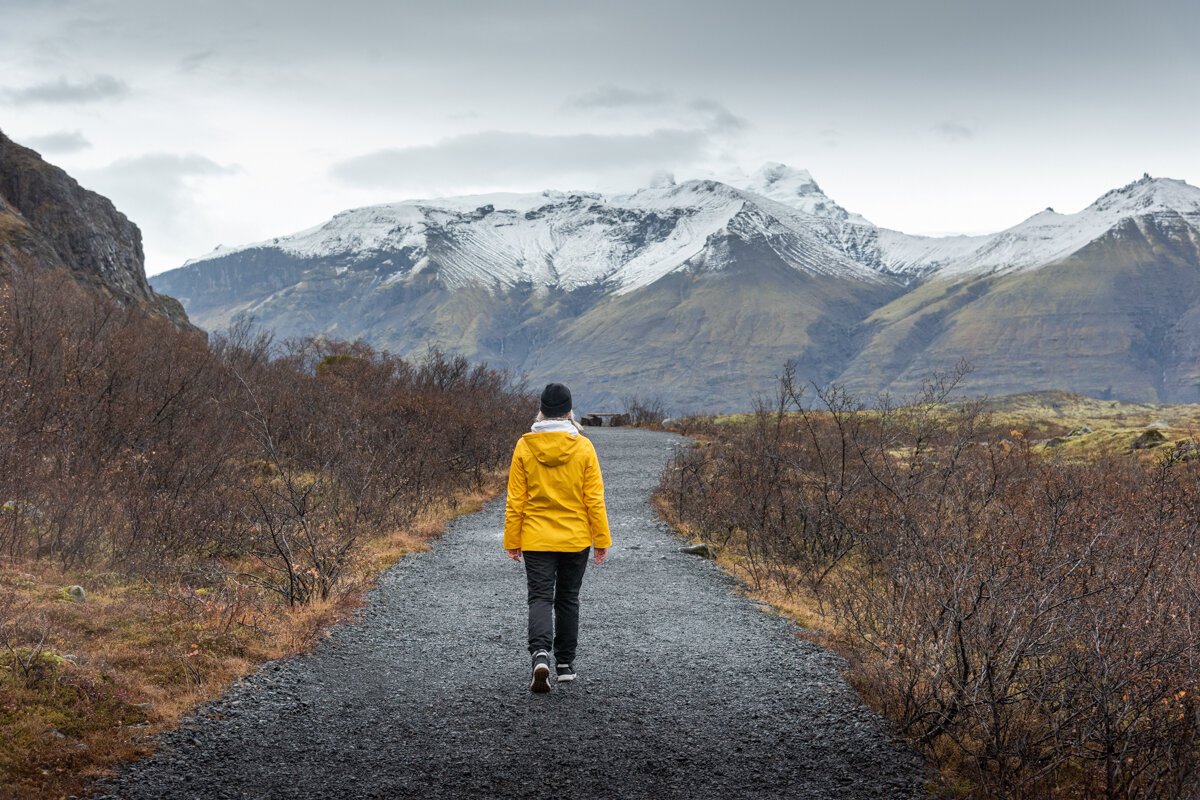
554 580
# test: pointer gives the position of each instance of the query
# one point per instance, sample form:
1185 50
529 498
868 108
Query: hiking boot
566 673
541 672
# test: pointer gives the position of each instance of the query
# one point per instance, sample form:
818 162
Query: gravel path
685 689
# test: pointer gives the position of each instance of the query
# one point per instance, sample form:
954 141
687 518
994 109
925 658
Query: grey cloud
62 91
955 131
830 137
713 116
498 157
608 97
158 192
59 142
719 118
154 189
193 61
167 167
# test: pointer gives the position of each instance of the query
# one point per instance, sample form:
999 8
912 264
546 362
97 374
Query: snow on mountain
1151 196
578 240
564 240
881 249
918 256
1043 238
507 201
569 240
717 207
357 229
796 188
1046 236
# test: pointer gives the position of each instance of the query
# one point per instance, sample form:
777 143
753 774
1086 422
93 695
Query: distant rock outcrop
1151 437
48 220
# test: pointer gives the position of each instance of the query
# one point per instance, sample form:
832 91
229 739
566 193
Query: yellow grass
84 685
1048 419
780 592
1049 423
1045 419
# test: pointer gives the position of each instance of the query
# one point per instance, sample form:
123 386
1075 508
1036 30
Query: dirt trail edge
685 689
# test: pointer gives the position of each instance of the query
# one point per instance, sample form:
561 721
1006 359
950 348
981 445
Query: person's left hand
600 553
515 555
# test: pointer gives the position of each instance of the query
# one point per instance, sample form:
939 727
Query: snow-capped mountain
568 240
1042 239
795 188
1045 237
767 269
559 240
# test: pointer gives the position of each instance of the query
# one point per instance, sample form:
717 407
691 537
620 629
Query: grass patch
84 685
1049 534
1079 427
1066 424
778 588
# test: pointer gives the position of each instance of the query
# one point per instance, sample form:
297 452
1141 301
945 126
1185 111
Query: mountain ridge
561 279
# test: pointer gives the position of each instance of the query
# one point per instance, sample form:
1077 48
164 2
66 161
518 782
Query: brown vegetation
1029 622
218 501
643 412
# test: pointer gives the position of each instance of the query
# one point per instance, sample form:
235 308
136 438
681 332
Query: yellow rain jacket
555 495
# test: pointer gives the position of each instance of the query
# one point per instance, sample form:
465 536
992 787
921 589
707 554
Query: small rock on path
685 689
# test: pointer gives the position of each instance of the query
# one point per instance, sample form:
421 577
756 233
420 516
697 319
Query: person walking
554 515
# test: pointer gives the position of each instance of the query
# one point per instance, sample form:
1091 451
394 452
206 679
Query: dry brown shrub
221 501
127 444
1030 623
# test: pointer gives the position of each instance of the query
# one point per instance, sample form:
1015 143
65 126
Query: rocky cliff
49 221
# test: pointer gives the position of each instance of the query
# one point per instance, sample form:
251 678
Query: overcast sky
219 122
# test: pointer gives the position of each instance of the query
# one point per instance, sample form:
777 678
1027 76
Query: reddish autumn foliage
1032 624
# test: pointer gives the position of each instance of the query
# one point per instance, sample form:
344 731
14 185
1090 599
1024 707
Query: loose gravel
685 688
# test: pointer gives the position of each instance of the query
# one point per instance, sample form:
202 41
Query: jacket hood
552 449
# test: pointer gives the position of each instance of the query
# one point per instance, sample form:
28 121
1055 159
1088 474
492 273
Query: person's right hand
515 555
601 553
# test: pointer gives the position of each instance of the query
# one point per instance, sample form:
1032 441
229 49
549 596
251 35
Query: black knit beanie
556 400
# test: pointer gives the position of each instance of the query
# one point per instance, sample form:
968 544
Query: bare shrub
644 412
128 444
1030 623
